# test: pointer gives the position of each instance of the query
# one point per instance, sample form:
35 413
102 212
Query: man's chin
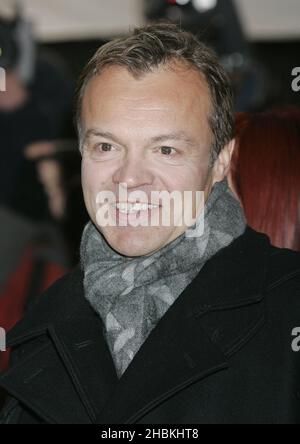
133 242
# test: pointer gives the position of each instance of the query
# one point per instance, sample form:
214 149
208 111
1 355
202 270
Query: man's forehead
116 82
147 102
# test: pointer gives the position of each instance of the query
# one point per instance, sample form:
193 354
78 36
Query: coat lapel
83 349
41 384
68 373
176 353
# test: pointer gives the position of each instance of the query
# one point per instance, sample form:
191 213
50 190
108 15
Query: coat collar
194 339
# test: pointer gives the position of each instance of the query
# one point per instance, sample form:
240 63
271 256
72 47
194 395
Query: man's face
151 134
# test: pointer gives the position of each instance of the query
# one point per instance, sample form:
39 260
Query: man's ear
222 164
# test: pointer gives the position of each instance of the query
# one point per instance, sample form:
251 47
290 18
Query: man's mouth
133 208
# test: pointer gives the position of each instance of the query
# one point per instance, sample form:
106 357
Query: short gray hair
148 47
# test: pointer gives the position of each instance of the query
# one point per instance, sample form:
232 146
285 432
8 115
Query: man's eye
167 150
105 147
101 150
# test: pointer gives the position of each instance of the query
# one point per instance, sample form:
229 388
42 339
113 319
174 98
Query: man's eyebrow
98 133
174 136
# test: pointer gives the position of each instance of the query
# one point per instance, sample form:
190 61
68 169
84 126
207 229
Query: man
189 322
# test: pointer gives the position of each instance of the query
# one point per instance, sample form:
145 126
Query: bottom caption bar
141 432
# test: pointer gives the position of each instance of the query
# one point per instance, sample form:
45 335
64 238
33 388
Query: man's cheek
91 178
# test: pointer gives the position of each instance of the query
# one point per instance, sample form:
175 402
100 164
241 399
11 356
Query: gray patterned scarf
132 295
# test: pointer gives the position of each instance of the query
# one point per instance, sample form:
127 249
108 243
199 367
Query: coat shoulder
283 287
283 266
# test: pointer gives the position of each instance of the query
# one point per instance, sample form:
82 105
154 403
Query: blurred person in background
265 173
32 110
29 111
218 23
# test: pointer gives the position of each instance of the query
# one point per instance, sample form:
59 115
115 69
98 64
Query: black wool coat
224 352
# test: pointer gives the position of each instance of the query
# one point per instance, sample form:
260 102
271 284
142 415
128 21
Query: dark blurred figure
265 173
217 23
33 108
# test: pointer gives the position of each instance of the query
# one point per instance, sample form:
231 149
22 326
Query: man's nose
134 172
